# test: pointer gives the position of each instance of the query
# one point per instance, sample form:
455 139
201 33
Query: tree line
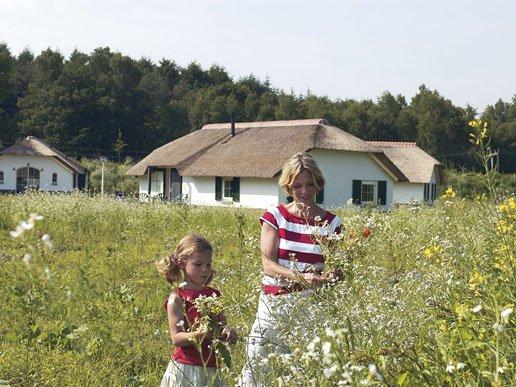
108 103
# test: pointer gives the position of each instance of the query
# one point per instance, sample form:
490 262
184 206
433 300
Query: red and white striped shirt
298 249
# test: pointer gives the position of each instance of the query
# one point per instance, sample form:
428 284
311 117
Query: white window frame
54 182
374 183
228 180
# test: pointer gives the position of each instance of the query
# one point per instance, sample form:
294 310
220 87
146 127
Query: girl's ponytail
169 267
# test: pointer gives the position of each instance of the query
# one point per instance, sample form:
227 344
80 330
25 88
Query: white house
240 164
31 163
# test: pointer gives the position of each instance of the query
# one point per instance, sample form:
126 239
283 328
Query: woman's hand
311 278
229 335
335 275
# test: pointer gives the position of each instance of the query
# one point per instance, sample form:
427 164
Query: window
54 178
368 192
228 189
1 177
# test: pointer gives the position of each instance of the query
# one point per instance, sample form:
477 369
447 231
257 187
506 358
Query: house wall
46 165
341 168
254 193
407 192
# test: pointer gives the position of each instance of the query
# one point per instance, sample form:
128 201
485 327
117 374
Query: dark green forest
108 103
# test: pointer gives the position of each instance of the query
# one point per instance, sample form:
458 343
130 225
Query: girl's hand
229 335
312 278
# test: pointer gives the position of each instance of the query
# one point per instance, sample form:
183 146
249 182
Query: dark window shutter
382 192
290 199
235 188
218 188
425 194
319 199
434 189
357 190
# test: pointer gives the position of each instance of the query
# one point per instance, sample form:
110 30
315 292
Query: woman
291 257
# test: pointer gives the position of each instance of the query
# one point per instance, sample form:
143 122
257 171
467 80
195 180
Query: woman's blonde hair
170 265
298 163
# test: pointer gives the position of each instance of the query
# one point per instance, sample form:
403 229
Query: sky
338 48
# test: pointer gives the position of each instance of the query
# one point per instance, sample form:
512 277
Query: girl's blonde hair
170 265
298 163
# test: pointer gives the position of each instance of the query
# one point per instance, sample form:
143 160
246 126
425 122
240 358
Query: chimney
232 124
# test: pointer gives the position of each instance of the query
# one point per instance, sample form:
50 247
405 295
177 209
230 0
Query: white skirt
263 338
187 375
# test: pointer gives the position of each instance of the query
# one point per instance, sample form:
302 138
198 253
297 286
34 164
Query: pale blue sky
343 49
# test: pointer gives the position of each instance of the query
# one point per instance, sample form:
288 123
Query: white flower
180 323
505 314
26 259
326 347
47 240
34 216
26 225
349 202
498 327
69 295
460 366
329 372
48 274
477 309
17 232
450 368
330 332
317 218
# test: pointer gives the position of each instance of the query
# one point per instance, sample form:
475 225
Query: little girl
193 362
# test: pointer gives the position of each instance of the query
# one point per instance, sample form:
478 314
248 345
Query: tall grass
427 297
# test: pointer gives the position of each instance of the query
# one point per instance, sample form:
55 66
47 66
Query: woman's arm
269 244
176 323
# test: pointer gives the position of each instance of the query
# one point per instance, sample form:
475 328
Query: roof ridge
268 124
392 143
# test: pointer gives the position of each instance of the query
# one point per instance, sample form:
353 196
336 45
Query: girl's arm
176 323
269 244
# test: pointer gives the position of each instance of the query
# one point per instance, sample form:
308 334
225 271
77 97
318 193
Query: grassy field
427 298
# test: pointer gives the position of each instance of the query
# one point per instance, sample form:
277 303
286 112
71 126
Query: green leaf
224 353
403 378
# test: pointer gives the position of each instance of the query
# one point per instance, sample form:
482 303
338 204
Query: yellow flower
476 280
474 123
461 310
449 193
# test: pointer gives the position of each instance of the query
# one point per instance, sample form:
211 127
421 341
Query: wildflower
48 274
69 295
26 259
449 193
373 371
317 219
27 225
46 239
330 332
326 347
329 372
498 327
505 314
460 366
17 232
366 231
34 216
450 368
476 309
180 323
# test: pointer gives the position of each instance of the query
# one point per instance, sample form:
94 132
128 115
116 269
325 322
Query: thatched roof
32 146
414 162
258 149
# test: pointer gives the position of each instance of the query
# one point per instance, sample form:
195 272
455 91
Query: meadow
427 298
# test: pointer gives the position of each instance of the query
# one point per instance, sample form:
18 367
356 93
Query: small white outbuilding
32 163
240 164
